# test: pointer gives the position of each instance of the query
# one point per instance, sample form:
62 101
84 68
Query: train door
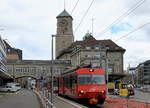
74 85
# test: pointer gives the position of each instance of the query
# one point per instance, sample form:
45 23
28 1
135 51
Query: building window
88 48
87 56
97 56
9 70
95 64
111 68
97 48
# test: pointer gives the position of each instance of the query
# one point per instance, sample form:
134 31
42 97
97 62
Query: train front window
91 79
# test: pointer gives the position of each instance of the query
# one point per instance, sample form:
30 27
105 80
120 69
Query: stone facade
36 68
99 53
64 36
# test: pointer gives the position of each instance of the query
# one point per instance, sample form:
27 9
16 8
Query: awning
114 77
5 75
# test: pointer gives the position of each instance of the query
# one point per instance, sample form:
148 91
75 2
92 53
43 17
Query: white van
8 88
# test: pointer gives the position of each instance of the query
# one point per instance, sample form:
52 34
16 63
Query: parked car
17 85
8 88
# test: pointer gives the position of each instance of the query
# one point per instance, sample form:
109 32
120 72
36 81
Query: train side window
75 79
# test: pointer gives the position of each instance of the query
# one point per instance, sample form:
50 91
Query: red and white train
85 84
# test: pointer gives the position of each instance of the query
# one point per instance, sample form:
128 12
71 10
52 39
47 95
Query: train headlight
91 70
102 91
81 91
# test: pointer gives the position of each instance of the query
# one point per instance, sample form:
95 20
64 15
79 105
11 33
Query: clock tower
64 35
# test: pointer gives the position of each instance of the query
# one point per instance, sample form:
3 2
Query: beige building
36 68
99 53
13 53
24 69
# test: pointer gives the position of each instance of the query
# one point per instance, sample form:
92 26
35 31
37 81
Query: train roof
73 69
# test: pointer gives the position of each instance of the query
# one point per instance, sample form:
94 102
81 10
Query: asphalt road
20 99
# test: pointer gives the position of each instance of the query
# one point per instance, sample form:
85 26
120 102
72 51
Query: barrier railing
45 96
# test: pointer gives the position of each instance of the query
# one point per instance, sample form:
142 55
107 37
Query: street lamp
52 70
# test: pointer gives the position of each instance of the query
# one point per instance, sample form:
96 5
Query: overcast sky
29 24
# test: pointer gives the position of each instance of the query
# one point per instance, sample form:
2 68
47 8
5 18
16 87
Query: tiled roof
64 14
91 41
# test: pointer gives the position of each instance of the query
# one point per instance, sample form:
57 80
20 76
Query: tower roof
64 13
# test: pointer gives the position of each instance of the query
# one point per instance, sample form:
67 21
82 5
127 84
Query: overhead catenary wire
141 26
138 4
84 16
74 7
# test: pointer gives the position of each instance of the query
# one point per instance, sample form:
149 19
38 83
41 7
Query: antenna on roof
92 26
64 4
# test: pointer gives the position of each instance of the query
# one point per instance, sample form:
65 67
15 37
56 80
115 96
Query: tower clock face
63 23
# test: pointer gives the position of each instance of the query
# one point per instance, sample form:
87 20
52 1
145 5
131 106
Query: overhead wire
122 16
74 7
84 16
141 26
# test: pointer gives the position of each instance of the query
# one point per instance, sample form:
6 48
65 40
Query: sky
29 24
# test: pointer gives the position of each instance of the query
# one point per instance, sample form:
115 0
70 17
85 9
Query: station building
22 70
69 54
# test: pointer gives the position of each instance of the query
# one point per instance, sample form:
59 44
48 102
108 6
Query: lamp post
14 74
106 69
52 70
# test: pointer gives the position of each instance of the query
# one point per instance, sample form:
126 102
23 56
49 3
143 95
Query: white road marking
69 102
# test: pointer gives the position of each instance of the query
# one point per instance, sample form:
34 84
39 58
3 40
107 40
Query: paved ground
123 103
21 99
139 100
139 96
60 102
